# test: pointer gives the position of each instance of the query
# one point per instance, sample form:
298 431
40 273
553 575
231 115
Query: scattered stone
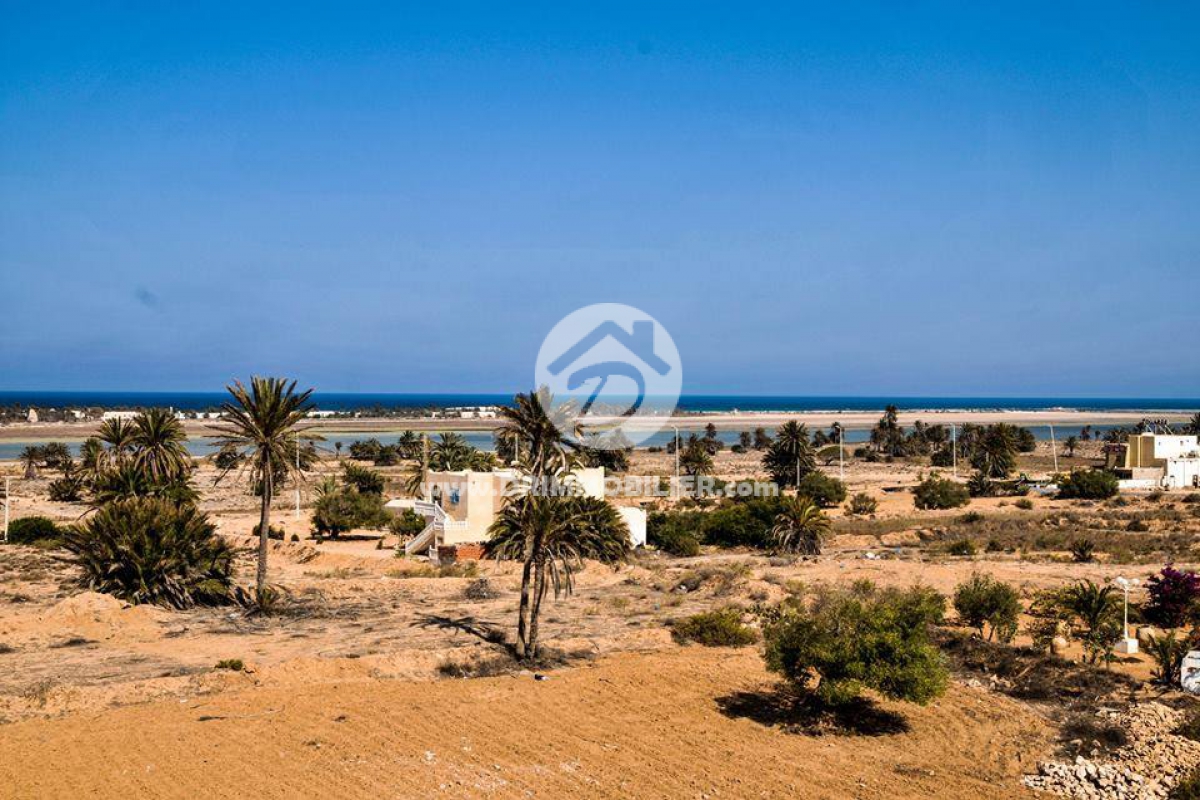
1145 769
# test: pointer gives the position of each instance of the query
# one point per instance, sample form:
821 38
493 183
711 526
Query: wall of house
635 518
1182 473
1152 450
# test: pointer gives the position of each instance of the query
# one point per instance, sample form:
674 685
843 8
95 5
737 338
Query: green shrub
407 523
938 493
982 600
146 550
1094 611
1025 504
859 639
67 489
741 523
1087 484
971 517
962 547
273 533
1083 551
227 458
673 533
365 450
1168 651
825 491
28 530
340 509
980 485
231 664
1188 788
721 628
366 481
862 504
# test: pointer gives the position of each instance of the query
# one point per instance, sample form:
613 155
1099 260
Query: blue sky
909 199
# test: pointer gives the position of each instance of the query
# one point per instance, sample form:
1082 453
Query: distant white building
321 414
32 416
473 412
1158 461
107 415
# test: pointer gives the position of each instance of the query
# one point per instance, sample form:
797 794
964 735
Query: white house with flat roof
1159 461
461 506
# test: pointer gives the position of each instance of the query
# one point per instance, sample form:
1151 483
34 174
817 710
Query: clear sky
838 198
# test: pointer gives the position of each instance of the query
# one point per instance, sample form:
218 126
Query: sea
692 403
695 403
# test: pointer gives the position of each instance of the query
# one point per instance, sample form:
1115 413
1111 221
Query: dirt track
629 726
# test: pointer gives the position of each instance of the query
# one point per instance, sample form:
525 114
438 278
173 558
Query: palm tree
695 459
996 453
56 455
1096 608
409 445
1194 425
887 435
552 535
117 434
790 456
91 457
534 429
533 433
800 526
127 480
158 446
31 456
1071 443
261 421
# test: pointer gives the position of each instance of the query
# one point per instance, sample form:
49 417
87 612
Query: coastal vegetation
550 531
151 550
936 492
860 638
261 422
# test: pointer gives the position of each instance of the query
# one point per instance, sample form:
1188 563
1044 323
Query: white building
461 506
107 415
1158 461
473 412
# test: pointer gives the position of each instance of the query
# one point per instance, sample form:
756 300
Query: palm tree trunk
523 612
539 590
264 530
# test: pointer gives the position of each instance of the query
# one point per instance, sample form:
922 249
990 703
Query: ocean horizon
691 403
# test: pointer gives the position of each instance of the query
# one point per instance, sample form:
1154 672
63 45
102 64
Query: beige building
460 507
1155 460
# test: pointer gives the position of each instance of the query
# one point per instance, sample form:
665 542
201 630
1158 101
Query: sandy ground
725 421
686 723
350 691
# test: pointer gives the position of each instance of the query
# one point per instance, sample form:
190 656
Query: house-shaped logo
609 360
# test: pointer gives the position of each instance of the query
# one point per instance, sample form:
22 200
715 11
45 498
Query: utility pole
676 492
842 453
7 503
297 476
1053 448
425 467
954 447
